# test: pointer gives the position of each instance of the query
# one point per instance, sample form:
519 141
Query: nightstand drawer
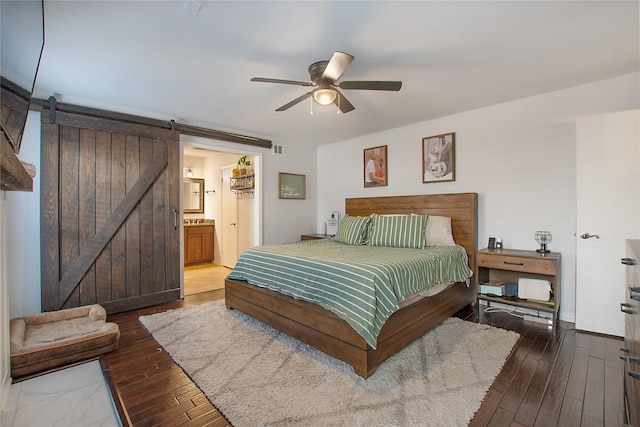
517 263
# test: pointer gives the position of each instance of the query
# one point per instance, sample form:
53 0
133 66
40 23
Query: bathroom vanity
198 241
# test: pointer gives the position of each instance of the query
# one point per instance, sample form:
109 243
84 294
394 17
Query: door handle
628 261
586 235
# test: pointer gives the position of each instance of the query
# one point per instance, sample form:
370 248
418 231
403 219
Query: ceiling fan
323 78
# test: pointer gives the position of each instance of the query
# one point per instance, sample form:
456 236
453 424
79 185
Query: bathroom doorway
207 161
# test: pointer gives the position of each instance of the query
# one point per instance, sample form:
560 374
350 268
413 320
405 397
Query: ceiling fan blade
286 82
371 85
343 103
295 101
337 65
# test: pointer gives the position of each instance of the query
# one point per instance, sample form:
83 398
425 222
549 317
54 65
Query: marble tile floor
70 397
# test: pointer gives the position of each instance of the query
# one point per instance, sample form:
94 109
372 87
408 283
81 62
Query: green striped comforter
361 284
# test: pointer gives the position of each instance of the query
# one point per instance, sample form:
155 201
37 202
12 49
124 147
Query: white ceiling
152 58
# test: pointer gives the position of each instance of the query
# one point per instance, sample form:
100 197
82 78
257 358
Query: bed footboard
328 333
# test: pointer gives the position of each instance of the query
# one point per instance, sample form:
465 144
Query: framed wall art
438 158
375 166
292 186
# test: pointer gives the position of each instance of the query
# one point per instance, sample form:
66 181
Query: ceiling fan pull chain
311 108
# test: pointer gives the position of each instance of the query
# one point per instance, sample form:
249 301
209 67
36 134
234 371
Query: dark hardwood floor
571 379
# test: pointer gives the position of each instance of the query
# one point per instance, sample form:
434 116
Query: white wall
23 231
282 220
286 219
5 355
518 156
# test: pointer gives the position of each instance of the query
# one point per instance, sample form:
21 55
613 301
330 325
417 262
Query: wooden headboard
462 208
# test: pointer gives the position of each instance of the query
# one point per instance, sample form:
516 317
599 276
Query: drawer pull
513 263
635 297
634 375
634 289
634 360
628 261
624 307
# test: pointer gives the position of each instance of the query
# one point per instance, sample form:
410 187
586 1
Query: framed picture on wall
438 158
375 166
292 186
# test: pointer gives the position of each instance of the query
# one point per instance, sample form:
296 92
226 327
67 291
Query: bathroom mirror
193 195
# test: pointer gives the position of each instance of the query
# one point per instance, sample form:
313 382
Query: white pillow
438 231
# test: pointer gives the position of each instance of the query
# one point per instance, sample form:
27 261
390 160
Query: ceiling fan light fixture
323 75
325 96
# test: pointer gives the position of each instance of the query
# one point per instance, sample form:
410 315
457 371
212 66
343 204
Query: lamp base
543 248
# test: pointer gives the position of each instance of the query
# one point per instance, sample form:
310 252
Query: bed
324 330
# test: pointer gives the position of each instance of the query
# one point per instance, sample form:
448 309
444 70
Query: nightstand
314 236
508 265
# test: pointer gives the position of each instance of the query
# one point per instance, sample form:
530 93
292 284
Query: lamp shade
542 237
325 96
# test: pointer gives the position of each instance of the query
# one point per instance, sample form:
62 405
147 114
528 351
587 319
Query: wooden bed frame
325 331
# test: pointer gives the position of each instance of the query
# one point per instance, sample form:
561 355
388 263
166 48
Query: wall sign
292 186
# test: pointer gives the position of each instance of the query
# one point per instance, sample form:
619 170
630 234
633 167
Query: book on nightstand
492 287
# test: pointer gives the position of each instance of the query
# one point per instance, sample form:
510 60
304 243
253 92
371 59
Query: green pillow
353 230
398 231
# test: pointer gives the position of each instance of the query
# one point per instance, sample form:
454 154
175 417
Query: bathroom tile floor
204 278
74 396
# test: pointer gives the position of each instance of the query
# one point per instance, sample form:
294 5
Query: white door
608 206
229 221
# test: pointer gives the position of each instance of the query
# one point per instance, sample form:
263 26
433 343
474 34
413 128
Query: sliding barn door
109 224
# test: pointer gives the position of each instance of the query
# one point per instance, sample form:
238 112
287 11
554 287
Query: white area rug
257 376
